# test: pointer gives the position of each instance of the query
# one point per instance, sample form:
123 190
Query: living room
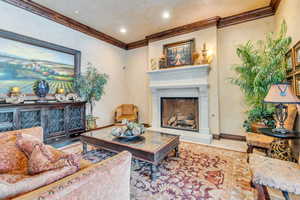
147 99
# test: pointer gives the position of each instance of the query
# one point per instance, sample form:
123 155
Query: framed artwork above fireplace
179 53
23 60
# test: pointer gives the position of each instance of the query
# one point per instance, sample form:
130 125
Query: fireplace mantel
188 81
179 77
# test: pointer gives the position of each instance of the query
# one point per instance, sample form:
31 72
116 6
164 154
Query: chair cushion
259 140
127 109
128 117
15 184
12 159
278 174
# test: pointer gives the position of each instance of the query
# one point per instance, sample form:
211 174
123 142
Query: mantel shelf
183 68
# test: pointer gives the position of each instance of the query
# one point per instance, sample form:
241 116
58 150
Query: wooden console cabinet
59 120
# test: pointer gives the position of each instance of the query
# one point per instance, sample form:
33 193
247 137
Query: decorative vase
162 62
154 64
41 89
91 123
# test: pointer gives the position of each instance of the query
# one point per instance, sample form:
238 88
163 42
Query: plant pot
91 123
255 126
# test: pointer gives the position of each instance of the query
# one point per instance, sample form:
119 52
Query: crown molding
215 21
206 23
246 16
275 4
203 24
66 21
137 44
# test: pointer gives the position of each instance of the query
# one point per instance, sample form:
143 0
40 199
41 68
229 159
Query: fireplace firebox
180 113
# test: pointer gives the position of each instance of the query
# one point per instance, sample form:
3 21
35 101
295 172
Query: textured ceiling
144 17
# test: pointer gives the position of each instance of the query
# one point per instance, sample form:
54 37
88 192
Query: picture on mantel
179 53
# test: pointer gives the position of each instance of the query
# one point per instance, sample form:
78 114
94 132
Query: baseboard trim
230 137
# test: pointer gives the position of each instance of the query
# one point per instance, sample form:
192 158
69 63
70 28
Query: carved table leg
84 147
250 149
280 149
153 172
262 192
286 195
177 151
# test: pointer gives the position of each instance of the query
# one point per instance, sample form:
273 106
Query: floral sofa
106 180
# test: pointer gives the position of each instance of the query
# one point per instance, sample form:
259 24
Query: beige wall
108 58
137 81
232 107
288 10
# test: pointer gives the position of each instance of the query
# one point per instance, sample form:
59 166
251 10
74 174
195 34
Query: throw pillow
43 159
12 159
27 142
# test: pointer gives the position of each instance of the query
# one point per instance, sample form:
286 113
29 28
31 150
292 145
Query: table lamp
281 94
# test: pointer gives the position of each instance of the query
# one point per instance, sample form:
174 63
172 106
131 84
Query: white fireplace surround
188 81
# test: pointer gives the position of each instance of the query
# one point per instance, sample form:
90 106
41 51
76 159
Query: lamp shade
281 93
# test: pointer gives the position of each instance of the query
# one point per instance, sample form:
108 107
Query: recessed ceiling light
123 30
76 12
166 15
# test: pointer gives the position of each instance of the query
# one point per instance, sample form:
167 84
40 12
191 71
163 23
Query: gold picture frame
179 53
297 85
296 54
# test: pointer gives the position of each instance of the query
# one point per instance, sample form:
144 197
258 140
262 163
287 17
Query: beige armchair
126 111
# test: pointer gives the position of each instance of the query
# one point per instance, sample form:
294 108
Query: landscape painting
21 64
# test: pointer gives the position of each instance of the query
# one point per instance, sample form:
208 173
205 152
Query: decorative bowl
128 130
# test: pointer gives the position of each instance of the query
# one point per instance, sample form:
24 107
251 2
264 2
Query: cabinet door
7 122
56 123
76 116
29 118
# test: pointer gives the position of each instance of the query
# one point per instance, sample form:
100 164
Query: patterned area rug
200 173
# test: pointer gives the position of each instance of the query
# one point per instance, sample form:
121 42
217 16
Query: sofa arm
106 180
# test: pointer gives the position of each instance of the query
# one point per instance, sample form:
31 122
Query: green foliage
90 86
258 114
262 65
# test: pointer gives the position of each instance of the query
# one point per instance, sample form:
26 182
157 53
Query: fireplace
180 102
180 113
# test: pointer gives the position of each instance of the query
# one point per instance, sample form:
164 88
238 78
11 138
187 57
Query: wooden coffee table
151 147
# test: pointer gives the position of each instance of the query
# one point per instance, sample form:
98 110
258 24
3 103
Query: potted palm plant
90 86
262 65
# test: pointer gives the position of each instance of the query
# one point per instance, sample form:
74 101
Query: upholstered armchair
126 111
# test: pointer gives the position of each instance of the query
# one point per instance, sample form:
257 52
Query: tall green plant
262 65
90 85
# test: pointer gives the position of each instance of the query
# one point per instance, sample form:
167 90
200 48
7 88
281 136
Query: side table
280 148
